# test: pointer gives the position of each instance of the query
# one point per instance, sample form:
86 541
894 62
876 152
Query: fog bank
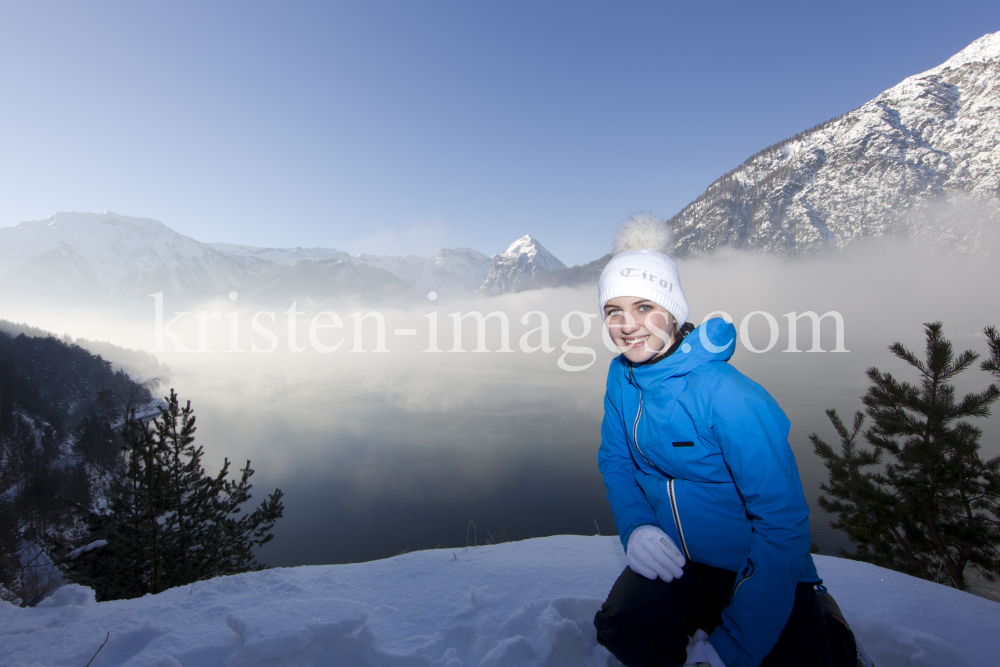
374 447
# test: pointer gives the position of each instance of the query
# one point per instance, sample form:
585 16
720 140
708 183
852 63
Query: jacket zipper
677 518
747 573
670 480
635 426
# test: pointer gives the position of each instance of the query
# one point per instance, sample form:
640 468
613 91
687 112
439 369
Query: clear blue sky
406 126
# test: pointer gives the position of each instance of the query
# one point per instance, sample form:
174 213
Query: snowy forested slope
922 160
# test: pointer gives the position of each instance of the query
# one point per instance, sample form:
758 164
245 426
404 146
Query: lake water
383 453
364 482
366 476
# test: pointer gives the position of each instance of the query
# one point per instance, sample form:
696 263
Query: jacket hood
713 340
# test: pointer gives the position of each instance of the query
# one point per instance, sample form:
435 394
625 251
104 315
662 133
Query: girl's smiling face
639 328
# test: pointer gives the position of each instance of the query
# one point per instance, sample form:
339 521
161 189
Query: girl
702 483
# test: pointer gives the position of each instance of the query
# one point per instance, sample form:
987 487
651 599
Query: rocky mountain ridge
523 261
83 257
109 259
921 160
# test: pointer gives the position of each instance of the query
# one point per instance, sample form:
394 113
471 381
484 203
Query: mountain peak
526 245
522 242
983 50
524 260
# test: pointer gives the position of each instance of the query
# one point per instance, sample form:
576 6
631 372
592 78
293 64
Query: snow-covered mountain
523 260
286 256
921 160
91 258
99 259
106 259
571 276
451 272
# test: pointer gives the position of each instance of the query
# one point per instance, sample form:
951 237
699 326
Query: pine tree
934 508
170 524
992 365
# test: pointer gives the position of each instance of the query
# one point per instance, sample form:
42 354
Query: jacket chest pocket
676 443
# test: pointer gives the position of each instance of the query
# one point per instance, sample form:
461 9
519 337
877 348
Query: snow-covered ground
522 603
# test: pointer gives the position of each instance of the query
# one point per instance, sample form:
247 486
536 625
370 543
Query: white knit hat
642 267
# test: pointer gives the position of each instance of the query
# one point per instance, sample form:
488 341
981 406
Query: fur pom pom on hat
643 231
642 267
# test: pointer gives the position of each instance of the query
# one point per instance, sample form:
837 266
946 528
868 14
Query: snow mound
527 604
71 595
285 628
901 647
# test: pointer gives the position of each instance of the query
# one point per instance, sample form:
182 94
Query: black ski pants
646 623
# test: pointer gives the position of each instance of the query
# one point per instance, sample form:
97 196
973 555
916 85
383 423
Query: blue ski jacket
695 447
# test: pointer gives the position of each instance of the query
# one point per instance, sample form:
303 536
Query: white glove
652 554
701 652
